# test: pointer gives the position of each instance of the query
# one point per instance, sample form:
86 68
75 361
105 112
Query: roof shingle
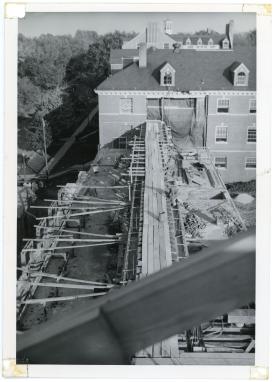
195 70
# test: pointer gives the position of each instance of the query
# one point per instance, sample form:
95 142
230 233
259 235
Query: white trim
234 114
241 67
170 107
120 123
116 66
177 94
231 151
122 113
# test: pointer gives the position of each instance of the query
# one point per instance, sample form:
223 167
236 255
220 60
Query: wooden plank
65 247
59 277
197 361
150 249
156 249
242 316
69 286
79 214
55 299
67 239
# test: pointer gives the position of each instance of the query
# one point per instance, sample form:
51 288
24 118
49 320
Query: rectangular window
167 79
241 78
223 105
252 106
126 105
221 134
166 46
221 162
250 162
251 134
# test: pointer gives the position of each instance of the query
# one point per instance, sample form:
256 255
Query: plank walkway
156 247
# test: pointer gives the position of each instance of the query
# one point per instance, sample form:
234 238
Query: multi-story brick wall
117 114
231 134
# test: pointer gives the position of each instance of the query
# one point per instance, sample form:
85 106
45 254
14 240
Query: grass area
242 187
247 211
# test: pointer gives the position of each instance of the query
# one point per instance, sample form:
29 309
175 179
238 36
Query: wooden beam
59 277
80 232
68 207
93 187
66 247
217 280
81 213
69 286
82 202
56 299
59 238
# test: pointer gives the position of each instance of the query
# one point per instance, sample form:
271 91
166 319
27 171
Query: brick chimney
230 32
142 62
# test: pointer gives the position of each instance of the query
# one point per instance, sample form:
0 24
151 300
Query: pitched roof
116 55
212 68
236 65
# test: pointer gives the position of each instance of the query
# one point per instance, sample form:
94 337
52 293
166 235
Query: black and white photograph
136 188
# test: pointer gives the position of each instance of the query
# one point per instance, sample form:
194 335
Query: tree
35 134
29 97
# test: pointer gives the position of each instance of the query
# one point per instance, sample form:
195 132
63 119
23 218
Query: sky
35 24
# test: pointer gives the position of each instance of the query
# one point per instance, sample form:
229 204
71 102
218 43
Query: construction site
138 210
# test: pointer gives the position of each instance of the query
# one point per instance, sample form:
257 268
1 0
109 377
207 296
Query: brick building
206 95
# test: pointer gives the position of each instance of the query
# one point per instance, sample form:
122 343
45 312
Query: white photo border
264 69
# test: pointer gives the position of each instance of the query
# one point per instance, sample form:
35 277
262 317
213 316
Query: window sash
221 162
241 78
252 106
250 162
223 105
221 134
167 79
126 105
251 134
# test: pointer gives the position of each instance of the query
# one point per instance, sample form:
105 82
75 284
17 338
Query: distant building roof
116 55
195 70
176 37
205 38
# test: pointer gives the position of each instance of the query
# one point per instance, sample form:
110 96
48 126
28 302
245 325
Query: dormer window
199 42
167 79
225 44
188 41
241 78
240 74
210 41
167 75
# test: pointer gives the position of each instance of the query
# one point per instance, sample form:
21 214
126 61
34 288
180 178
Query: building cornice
176 94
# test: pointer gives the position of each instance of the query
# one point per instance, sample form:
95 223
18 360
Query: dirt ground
90 263
248 212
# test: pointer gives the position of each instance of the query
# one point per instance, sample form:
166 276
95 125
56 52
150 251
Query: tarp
186 117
